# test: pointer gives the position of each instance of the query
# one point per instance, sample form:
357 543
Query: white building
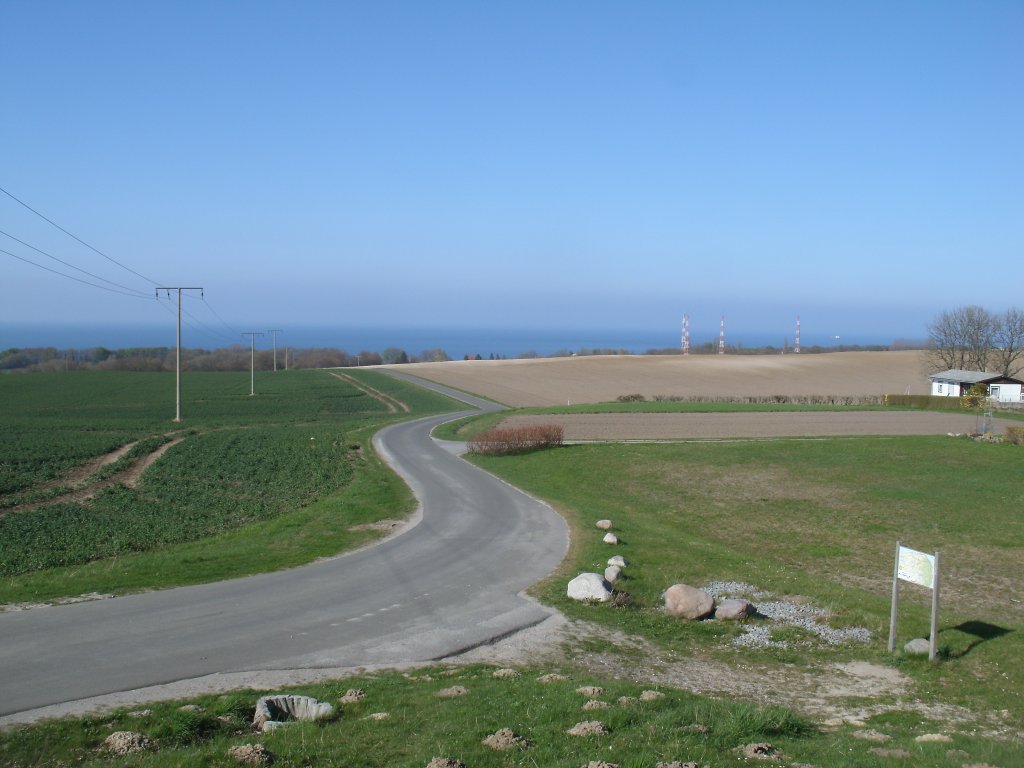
956 382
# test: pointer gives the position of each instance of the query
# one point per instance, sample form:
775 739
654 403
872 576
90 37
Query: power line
215 314
91 248
209 331
68 264
72 277
197 325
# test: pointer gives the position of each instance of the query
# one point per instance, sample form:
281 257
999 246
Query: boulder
610 538
604 525
618 560
612 574
590 586
917 647
733 609
685 602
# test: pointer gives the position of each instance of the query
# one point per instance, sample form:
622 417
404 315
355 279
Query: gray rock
612 574
618 560
733 609
685 602
610 538
590 586
272 711
917 647
604 525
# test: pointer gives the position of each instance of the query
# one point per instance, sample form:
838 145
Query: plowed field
557 381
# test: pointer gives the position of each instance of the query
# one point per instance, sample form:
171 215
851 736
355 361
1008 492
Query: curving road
449 582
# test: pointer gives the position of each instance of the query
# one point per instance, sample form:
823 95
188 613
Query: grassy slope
247 491
817 518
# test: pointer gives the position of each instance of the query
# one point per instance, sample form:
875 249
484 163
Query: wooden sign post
917 568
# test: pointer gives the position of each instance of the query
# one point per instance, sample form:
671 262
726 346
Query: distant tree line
237 357
973 338
234 358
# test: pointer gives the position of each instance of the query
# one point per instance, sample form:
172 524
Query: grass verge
420 726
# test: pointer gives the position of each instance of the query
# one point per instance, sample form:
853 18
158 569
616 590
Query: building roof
970 377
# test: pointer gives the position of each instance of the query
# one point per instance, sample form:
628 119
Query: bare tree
433 355
962 338
1008 354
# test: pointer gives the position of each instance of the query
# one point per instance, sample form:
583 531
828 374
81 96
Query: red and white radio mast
686 334
796 343
721 338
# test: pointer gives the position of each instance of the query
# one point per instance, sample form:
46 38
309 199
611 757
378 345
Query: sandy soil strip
690 426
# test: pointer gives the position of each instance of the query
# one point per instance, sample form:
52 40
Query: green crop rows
243 459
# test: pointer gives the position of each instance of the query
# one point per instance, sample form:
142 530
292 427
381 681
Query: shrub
926 402
504 441
636 397
1015 435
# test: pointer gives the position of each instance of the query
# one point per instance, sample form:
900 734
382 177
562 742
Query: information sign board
916 567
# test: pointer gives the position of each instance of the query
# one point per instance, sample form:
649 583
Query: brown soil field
601 378
716 426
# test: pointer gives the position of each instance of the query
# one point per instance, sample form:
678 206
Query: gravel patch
724 589
788 612
812 619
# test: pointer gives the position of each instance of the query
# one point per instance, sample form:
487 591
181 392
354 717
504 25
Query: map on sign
917 567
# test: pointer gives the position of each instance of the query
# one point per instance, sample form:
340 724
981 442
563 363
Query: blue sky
516 164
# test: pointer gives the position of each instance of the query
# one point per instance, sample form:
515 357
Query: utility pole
252 359
276 331
177 356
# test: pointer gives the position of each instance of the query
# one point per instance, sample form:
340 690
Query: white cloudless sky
515 164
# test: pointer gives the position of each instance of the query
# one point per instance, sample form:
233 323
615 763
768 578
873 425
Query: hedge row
503 441
925 402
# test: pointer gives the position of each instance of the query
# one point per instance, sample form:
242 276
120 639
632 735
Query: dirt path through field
83 487
393 404
695 426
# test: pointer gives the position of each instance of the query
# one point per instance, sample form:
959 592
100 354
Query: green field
811 518
256 483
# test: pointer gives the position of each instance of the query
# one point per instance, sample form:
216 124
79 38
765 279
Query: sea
456 342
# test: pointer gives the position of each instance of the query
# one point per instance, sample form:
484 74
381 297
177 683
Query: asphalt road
448 583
